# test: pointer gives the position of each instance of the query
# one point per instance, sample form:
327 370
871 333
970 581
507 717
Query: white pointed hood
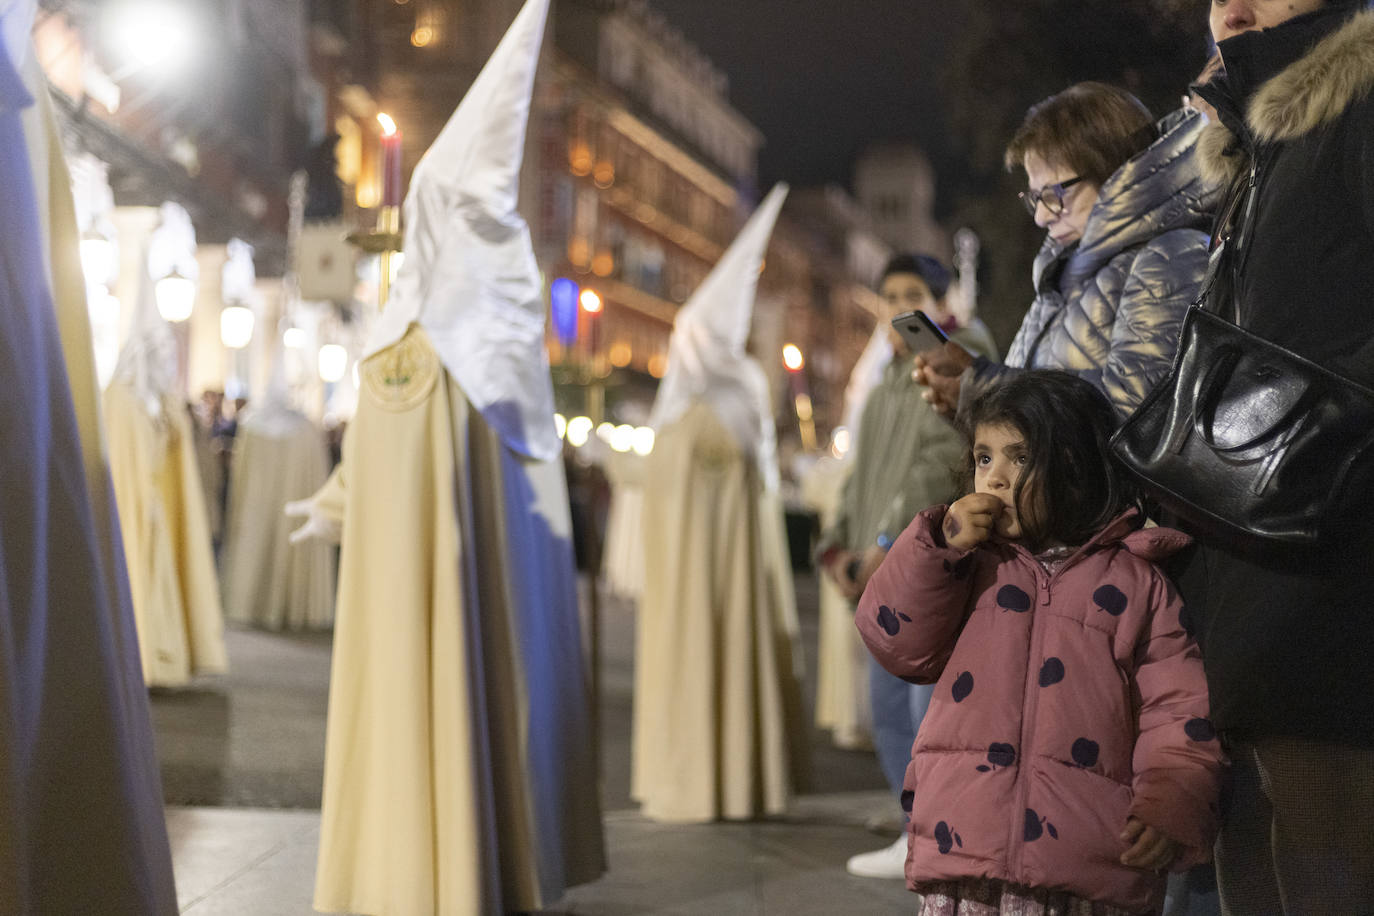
706 353
469 277
867 374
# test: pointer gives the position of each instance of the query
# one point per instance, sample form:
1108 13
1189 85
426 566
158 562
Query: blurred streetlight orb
579 428
643 442
623 438
176 296
388 125
293 338
158 36
236 327
604 431
97 259
840 442
591 302
560 424
792 358
333 362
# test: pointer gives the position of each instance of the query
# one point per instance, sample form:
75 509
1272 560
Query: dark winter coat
1290 649
1110 307
1065 704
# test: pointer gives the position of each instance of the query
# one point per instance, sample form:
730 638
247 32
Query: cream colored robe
166 538
718 730
622 566
268 582
459 777
842 697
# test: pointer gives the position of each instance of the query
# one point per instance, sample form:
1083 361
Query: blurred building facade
895 183
638 173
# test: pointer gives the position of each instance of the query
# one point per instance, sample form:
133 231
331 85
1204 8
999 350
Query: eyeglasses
1051 195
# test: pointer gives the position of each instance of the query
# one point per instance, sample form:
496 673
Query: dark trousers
1298 833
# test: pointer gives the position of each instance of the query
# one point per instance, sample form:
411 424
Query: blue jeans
898 708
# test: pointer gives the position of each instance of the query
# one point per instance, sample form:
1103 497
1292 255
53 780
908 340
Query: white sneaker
888 862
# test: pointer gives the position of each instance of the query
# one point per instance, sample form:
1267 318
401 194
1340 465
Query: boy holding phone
904 458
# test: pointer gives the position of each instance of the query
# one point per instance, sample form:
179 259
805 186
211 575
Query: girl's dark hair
1091 128
1066 423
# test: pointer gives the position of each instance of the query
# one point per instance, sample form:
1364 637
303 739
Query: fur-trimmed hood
1315 90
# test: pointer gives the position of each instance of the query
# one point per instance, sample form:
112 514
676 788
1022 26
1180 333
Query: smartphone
920 332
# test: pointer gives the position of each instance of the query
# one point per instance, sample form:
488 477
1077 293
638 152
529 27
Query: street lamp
333 363
176 296
98 260
156 36
236 327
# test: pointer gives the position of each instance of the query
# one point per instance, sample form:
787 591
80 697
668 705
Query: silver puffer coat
1110 307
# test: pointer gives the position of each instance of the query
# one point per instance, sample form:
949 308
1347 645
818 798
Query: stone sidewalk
242 756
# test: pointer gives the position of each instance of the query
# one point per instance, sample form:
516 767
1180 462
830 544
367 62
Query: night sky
821 82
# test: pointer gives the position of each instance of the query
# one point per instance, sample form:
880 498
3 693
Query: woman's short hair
1091 128
1066 423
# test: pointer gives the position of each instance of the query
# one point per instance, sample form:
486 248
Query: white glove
317 524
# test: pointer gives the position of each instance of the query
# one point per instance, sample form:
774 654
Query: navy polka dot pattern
1036 827
1051 672
908 797
1111 599
1200 730
1084 752
946 839
999 755
963 686
1011 598
888 619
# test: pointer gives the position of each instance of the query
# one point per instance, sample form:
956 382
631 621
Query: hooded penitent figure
718 731
842 695
81 828
279 456
157 486
459 776
622 562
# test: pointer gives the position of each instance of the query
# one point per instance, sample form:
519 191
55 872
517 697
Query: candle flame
388 125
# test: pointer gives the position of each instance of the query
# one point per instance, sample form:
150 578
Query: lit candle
391 162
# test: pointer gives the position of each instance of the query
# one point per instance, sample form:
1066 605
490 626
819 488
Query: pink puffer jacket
1065 704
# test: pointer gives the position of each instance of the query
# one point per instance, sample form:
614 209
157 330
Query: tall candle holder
384 241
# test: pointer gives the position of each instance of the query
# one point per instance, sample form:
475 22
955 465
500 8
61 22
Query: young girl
1067 760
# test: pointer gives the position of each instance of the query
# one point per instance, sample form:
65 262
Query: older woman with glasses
1125 212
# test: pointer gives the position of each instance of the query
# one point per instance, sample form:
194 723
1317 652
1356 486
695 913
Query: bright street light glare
643 440
236 327
591 302
293 338
176 296
623 438
792 357
333 362
579 428
157 36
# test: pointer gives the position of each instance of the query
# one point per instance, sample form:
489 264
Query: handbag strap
1208 391
1231 236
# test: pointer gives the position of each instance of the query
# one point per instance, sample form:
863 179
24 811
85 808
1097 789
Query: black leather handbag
1251 442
